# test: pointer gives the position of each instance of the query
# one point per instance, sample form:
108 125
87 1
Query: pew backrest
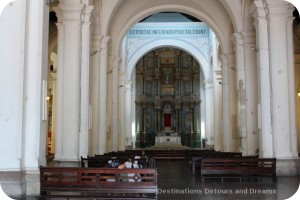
239 166
99 180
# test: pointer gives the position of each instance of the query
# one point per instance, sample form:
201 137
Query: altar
168 138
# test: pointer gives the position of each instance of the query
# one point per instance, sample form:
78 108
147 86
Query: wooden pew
196 160
101 161
196 152
76 182
169 154
238 167
200 153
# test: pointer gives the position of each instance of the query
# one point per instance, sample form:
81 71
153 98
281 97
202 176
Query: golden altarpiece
168 99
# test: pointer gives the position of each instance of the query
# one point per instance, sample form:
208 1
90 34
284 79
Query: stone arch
221 23
204 65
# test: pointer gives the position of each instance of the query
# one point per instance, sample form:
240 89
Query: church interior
208 90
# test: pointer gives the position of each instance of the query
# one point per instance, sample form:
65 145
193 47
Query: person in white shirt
131 163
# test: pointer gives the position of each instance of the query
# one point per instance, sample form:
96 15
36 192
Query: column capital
245 39
228 59
116 60
249 37
258 9
279 7
89 13
59 14
105 42
96 43
224 59
238 39
71 11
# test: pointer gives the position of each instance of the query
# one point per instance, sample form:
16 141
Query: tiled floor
176 181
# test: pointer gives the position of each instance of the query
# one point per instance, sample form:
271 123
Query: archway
167 98
118 27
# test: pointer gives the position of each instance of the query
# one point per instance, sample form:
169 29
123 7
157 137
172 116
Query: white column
209 112
68 81
123 105
233 101
103 93
247 98
241 90
282 78
85 82
109 92
121 99
128 113
116 137
297 84
35 101
264 87
251 85
217 95
226 104
95 95
34 127
229 103
218 111
133 120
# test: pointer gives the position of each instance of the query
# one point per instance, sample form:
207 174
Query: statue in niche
148 87
186 62
148 62
167 76
187 87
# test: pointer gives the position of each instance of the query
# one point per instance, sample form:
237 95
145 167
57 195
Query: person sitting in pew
131 163
142 159
114 161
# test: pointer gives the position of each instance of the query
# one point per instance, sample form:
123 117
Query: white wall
11 84
23 61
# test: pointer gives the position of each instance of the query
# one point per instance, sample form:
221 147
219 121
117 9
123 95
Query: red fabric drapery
167 120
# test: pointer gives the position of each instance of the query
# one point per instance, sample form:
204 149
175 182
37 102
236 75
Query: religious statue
167 76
